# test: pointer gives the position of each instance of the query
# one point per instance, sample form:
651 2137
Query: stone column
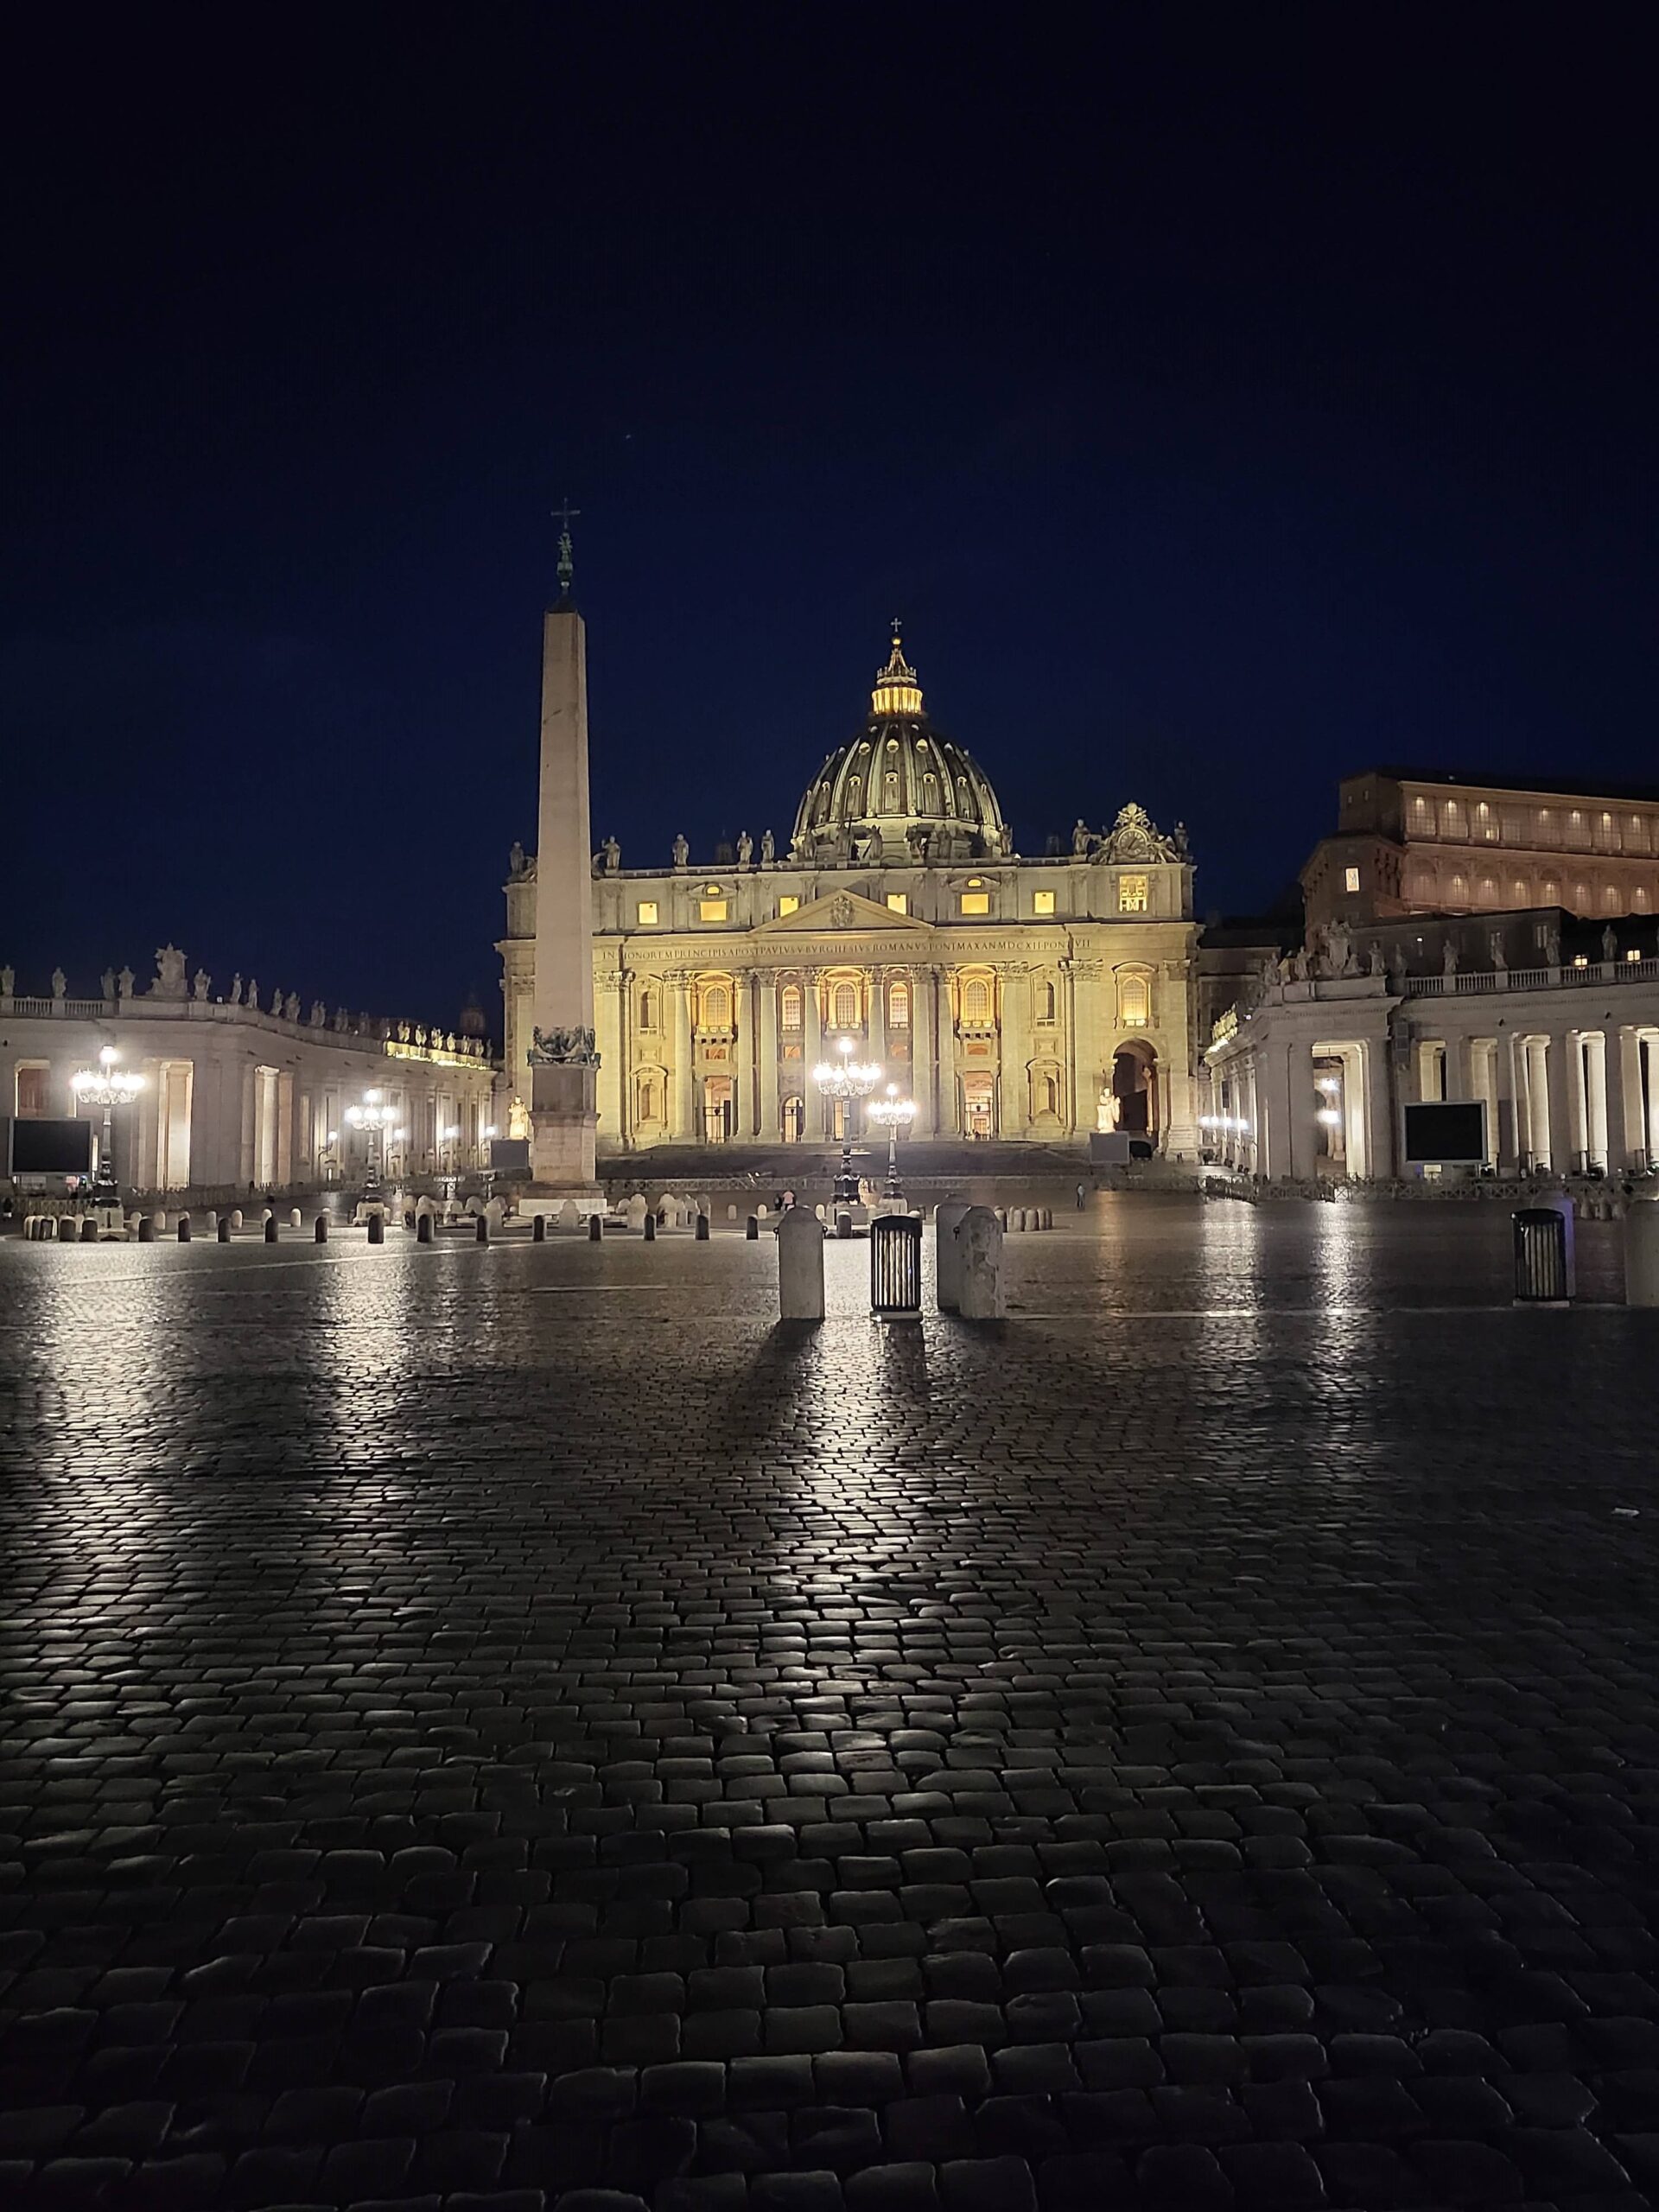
1508 1137
284 1130
743 1058
613 1005
1629 1137
814 1110
562 1106
1572 1082
1535 1050
1303 1122
878 1027
1014 991
245 1153
1598 1150
1559 1073
680 1101
769 1124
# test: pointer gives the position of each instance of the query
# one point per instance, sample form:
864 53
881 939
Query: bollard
637 1210
1016 1219
295 1219
843 1225
160 1224
211 1218
595 1229
422 1228
1542 1265
376 1229
538 1229
1002 1213
223 1232
321 1231
184 1228
896 1266
650 1228
89 1229
482 1233
68 1229
1642 1253
146 1229
409 1217
751 1229
979 1233
703 1229
800 1266
270 1229
947 1254
236 1217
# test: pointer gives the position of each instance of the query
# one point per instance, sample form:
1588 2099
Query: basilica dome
899 787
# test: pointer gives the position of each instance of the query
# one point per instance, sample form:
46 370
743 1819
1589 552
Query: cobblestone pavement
488 1726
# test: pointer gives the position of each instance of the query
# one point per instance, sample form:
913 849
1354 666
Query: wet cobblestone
512 1728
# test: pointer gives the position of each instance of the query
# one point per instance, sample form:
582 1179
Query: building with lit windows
1015 998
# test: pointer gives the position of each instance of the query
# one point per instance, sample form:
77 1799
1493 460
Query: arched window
647 1008
1133 1002
892 782
716 1007
929 793
790 1006
1050 1095
854 793
1610 899
645 1099
977 1000
1046 1002
844 1006
899 1005
794 1120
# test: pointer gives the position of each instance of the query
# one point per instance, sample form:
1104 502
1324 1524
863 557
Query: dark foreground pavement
487 1726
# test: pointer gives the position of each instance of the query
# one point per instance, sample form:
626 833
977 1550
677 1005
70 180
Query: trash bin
1540 1276
896 1264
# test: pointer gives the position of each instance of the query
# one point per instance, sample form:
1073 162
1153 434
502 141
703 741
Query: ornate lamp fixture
108 1085
847 1079
376 1119
893 1113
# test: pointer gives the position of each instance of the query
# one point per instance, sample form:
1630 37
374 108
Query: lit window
790 1006
716 1007
1133 1002
711 890
1632 954
1132 895
845 1007
789 904
898 901
1580 960
711 910
1350 879
647 913
976 1000
1042 902
976 902
898 1007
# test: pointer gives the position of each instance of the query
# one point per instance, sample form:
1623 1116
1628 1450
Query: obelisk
563 1063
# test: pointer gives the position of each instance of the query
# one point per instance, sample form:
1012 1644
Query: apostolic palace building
1028 1000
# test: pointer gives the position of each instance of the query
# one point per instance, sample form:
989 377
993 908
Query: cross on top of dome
897 691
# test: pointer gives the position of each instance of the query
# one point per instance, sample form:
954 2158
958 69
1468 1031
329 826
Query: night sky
1226 400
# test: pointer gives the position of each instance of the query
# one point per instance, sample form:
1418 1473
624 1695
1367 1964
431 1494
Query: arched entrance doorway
1133 1089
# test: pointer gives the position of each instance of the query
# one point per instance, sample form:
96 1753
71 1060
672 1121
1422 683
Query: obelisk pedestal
563 1062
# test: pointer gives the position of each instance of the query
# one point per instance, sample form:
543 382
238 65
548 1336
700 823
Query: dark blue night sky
1226 400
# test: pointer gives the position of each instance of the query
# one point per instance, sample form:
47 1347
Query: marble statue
516 862
613 853
235 998
252 999
1609 944
768 848
7 977
319 1014
124 983
1374 963
745 849
169 974
107 981
1449 960
1500 959
1081 837
682 852
201 984
59 984
291 1006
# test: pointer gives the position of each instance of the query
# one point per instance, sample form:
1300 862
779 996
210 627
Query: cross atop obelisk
564 514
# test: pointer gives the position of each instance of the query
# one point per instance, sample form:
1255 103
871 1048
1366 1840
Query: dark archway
1134 1089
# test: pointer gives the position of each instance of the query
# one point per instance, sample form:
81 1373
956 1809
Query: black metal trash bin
1540 1276
896 1264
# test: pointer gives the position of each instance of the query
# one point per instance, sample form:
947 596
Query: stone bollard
800 1266
236 1217
212 1217
322 1228
270 1229
160 1224
184 1228
68 1229
1642 1252
223 1229
89 1229
637 1211
703 1229
1002 1213
295 1219
538 1229
947 1254
146 1229
1016 1218
650 1228
409 1217
979 1236
376 1229
482 1233
751 1229
422 1228
595 1229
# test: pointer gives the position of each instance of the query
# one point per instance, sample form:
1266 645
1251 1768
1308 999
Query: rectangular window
898 902
1042 902
1132 895
976 902
31 1093
789 904
647 913
1350 879
711 910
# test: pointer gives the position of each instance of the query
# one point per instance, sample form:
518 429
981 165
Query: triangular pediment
841 910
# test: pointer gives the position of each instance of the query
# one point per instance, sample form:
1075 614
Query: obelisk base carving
562 1118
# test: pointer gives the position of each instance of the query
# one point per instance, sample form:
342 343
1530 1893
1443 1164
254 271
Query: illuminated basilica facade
1015 999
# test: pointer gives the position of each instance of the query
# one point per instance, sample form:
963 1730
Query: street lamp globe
893 1114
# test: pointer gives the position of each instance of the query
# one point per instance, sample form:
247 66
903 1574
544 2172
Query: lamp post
893 1113
486 1135
449 1139
108 1085
375 1118
846 1080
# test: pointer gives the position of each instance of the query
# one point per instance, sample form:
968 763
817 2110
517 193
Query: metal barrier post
896 1265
